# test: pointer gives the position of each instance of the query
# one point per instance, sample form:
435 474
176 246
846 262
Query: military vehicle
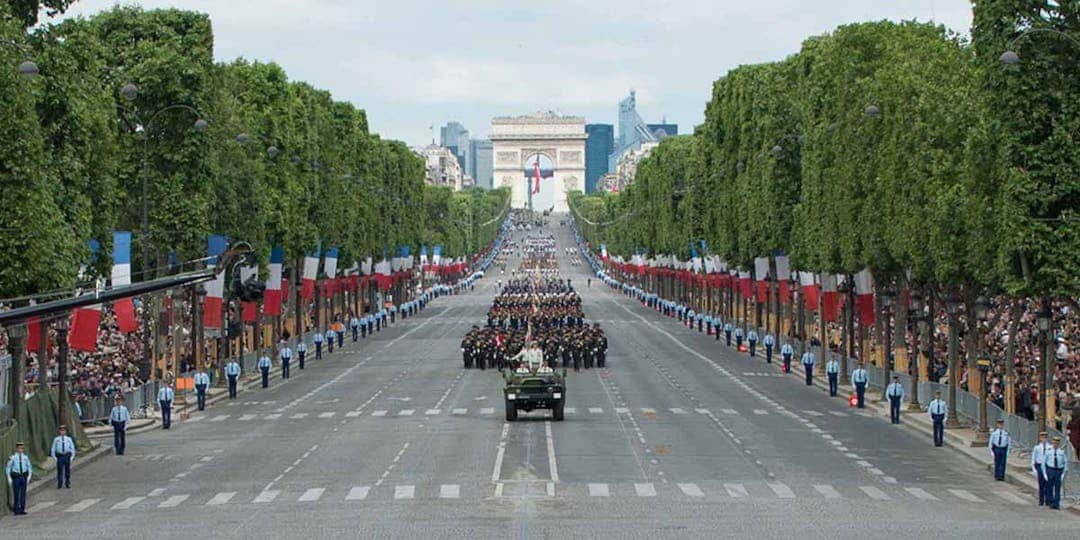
534 390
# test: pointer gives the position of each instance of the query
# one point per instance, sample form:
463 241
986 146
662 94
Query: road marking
874 493
598 490
729 411
82 505
40 506
622 410
327 414
406 412
267 496
570 410
677 410
247 417
965 494
220 418
353 414
379 413
498 490
551 489
761 411
888 479
460 411
596 410
645 490
691 490
827 491
487 410
311 495
864 463
127 503
156 492
813 413
552 465
173 501
358 493
782 491
876 471
837 413
736 490
449 491
221 498
921 493
702 411
199 418
274 416
499 455
404 492
298 416
1012 497
432 412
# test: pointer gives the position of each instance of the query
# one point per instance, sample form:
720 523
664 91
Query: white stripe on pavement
221 498
487 410
827 491
874 493
173 501
729 411
596 410
691 490
127 503
82 505
40 506
404 492
449 491
1012 497
329 414
782 491
570 410
406 412
220 418
274 416
156 492
298 416
199 418
267 496
460 411
645 490
379 413
622 410
598 490
965 494
357 493
814 413
760 411
311 495
247 417
702 411
677 410
353 414
921 493
432 412
736 490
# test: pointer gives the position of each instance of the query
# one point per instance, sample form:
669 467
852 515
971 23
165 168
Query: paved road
678 437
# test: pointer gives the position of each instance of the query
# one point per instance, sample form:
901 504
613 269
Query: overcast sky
413 64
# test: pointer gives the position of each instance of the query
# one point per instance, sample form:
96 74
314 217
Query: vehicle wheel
511 411
557 412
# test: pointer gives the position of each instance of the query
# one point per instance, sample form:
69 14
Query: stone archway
561 139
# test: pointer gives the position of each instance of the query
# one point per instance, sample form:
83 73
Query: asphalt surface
678 437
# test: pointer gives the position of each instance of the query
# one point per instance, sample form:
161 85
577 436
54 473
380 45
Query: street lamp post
886 315
1045 321
918 317
982 433
130 92
952 305
62 325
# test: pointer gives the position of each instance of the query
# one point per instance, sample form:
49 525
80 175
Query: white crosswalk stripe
761 411
40 506
702 411
449 491
874 493
827 491
782 491
329 414
221 498
487 410
299 416
813 413
82 505
460 411
173 502
736 490
406 412
274 416
432 412
920 493
127 503
1012 497
838 413
379 413
691 490
966 495
199 418
598 490
645 490
311 495
267 496
677 410
570 410
247 417
353 414
404 492
729 411
595 410
622 410
358 493
220 418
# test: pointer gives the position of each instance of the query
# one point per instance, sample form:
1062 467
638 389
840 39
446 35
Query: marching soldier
717 325
895 395
19 472
808 361
1054 469
787 352
738 337
365 325
354 324
751 338
727 332
1038 458
1000 444
700 322
832 372
859 378
202 383
264 369
317 338
165 401
63 451
232 373
601 346
339 331
285 354
301 351
119 418
329 340
938 411
769 342
708 324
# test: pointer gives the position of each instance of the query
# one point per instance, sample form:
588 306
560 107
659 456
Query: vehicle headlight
511 396
557 395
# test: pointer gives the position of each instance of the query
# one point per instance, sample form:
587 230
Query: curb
142 427
80 462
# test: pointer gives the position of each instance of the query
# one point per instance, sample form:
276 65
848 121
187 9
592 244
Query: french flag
249 311
811 291
215 288
783 276
864 297
761 277
121 277
311 273
272 296
830 298
330 267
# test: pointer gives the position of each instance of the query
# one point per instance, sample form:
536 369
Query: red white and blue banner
273 295
864 297
215 288
310 274
121 277
330 268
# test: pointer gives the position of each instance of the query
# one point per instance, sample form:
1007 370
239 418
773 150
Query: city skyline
513 60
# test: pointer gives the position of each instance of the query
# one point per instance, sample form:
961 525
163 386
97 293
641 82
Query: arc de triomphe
516 143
